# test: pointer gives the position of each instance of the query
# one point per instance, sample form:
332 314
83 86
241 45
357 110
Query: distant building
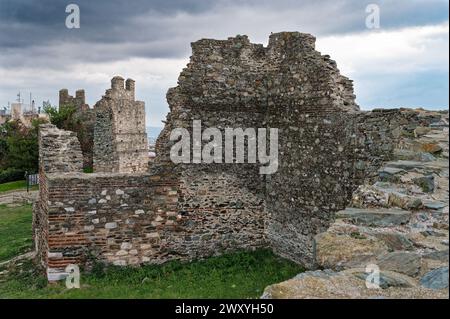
26 113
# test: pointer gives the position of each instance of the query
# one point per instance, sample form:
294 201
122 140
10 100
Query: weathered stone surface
405 165
404 201
343 251
327 147
395 241
60 150
421 130
425 182
390 174
435 279
387 279
375 217
403 262
435 205
349 285
441 255
85 118
120 139
408 155
369 196
432 148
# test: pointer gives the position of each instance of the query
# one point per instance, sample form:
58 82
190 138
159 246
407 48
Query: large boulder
436 279
397 199
407 263
395 241
350 284
341 251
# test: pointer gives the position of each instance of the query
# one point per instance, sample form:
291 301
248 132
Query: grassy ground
236 275
12 186
18 185
15 231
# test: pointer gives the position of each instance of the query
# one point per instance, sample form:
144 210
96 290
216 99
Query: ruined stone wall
114 218
85 120
129 220
286 85
222 87
327 156
78 101
59 151
120 139
139 212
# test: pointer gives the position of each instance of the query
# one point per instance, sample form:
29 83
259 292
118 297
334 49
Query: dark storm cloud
27 23
30 22
38 53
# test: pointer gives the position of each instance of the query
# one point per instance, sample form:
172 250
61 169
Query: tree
64 117
19 147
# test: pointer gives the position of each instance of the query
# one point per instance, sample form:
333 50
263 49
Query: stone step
379 217
405 165
434 205
351 284
436 279
407 263
403 154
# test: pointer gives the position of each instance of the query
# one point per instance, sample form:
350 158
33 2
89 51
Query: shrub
11 175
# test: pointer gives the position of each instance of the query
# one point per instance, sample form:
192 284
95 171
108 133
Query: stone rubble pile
397 223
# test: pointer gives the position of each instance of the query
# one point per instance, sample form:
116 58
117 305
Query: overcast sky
404 63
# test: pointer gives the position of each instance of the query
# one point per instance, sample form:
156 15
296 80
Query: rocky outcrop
398 223
350 284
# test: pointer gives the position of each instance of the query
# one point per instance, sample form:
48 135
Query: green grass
15 230
234 275
12 186
88 170
18 185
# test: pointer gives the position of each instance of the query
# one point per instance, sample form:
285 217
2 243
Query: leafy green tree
63 117
19 147
23 152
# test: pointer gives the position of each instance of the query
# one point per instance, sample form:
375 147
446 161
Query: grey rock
435 205
388 280
435 279
441 255
430 232
425 157
111 225
375 217
404 201
440 124
389 173
395 241
406 165
421 130
401 154
403 262
325 274
425 182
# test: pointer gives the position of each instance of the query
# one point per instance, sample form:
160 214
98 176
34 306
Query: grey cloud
33 35
27 23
